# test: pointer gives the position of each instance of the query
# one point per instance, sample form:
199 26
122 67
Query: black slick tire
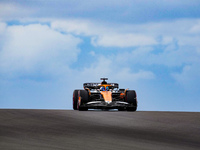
84 95
131 98
75 99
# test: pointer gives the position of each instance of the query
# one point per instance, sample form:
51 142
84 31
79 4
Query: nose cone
107 95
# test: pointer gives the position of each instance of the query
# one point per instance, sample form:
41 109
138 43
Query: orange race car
104 96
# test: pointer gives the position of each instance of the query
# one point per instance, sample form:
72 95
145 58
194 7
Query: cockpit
104 88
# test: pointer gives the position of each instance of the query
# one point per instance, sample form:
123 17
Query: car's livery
104 96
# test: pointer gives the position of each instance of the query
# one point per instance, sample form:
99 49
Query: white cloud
76 26
103 34
9 11
127 75
124 40
189 77
2 27
36 47
111 68
2 32
171 44
195 29
130 35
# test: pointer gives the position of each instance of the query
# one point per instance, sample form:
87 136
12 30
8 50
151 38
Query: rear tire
131 98
84 99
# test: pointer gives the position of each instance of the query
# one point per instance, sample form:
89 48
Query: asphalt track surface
95 130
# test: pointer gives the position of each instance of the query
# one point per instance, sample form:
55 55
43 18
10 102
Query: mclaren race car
104 96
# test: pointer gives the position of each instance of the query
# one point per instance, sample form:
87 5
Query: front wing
105 105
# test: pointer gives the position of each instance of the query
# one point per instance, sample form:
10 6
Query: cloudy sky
48 48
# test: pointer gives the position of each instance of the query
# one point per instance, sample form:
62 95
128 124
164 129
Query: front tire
75 99
131 98
83 95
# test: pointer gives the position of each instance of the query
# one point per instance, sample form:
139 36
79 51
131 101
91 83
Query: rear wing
97 85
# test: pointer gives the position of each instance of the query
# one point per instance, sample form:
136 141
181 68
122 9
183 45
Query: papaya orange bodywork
122 95
107 95
105 85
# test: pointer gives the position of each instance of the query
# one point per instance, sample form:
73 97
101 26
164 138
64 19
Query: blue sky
49 48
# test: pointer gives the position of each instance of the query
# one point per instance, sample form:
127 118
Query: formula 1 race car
104 96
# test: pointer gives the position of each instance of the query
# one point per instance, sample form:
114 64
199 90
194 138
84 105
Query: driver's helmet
107 88
102 88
